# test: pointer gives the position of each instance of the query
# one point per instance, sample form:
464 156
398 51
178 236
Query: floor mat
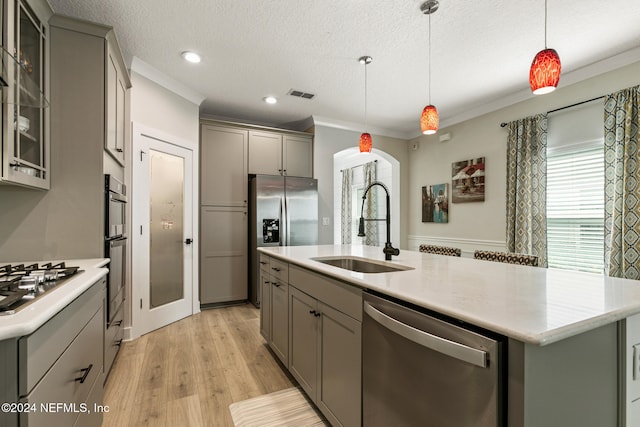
288 407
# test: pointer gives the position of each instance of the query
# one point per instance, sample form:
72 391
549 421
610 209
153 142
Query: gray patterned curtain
370 207
527 187
346 220
622 189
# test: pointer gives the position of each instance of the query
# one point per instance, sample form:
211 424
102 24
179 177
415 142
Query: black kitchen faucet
388 248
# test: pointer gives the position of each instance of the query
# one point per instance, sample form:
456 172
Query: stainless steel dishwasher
418 370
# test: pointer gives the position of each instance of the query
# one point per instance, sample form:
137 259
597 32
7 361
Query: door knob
188 241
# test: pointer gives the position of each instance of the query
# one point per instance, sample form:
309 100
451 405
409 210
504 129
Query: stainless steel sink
361 265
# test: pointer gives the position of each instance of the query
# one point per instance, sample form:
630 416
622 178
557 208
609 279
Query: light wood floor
187 373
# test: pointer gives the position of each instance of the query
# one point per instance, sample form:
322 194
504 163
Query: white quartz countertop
31 317
530 304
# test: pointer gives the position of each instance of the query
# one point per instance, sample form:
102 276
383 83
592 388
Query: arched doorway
387 172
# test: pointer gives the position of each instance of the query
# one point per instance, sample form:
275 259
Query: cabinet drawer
343 297
279 270
113 339
93 418
62 384
39 351
264 262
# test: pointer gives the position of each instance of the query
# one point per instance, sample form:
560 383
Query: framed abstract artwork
435 203
467 181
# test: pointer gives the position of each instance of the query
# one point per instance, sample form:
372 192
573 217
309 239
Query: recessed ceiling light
270 99
191 57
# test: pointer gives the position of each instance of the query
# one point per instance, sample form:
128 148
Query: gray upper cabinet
25 74
116 88
265 153
223 166
297 155
272 153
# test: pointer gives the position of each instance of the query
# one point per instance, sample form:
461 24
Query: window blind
575 207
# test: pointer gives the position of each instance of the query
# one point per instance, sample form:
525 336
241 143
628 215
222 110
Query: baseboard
467 246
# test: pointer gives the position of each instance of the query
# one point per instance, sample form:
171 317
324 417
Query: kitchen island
570 336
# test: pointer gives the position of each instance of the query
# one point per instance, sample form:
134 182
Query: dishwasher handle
450 348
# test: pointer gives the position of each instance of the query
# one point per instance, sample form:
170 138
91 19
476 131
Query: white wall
482 224
171 110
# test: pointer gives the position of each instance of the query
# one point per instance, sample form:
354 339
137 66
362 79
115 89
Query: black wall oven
115 245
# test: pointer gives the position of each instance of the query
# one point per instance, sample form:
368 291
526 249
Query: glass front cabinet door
25 133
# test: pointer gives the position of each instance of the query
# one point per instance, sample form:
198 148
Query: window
575 207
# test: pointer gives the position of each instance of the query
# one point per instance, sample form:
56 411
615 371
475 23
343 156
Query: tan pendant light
544 74
366 143
429 120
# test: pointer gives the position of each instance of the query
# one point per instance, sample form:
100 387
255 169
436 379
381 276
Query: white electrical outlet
325 220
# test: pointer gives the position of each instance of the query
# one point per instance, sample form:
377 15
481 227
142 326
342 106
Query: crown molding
145 70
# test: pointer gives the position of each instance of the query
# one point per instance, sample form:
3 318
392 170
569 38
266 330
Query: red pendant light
545 68
366 143
429 120
545 72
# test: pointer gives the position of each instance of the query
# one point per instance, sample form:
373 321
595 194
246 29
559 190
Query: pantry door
162 233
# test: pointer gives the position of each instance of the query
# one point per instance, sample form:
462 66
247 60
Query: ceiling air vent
300 94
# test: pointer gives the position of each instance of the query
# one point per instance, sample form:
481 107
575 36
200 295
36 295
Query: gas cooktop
20 284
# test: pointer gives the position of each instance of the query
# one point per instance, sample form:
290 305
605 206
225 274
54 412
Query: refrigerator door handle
284 225
287 220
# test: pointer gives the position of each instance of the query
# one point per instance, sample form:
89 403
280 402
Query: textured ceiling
480 52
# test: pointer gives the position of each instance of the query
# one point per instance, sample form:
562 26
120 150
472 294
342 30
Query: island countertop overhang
534 305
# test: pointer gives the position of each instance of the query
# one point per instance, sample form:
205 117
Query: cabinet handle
118 343
118 323
315 313
263 262
275 268
119 150
273 283
85 372
266 282
277 284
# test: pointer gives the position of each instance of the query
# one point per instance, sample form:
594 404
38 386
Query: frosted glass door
166 228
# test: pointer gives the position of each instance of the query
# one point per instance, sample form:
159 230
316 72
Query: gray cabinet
303 330
223 166
223 214
113 336
25 148
274 307
265 153
117 86
265 305
297 155
325 322
279 296
223 232
98 106
272 153
61 361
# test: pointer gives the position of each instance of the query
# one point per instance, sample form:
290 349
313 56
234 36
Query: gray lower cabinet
61 363
280 320
113 336
265 305
325 323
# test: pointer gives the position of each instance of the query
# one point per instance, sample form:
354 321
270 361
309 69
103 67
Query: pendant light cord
429 78
365 93
545 24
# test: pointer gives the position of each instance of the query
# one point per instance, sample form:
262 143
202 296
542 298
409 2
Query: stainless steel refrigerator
283 212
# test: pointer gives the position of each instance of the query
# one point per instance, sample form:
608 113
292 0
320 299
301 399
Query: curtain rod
503 124
342 170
